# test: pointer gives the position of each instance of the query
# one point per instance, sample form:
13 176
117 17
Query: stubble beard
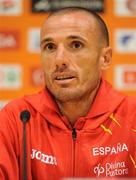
65 94
71 94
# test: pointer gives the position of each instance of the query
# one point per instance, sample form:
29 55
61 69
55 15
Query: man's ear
106 58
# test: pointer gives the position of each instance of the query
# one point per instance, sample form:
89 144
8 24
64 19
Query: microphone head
25 116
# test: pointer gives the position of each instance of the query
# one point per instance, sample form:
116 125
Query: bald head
101 26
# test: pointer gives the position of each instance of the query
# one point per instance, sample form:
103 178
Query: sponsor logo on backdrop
10 7
125 76
3 103
37 77
125 40
47 5
9 40
125 7
40 5
10 76
131 5
34 40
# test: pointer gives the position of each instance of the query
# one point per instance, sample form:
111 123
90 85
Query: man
79 126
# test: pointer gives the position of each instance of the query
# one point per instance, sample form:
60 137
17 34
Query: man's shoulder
130 103
122 102
114 93
131 100
20 104
127 110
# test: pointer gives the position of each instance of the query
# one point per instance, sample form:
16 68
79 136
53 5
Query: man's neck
77 108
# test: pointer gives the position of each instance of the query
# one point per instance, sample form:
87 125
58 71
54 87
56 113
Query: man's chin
66 95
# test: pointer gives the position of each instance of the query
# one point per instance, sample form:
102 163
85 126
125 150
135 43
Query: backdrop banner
51 5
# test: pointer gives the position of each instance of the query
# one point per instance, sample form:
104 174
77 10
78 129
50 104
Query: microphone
24 116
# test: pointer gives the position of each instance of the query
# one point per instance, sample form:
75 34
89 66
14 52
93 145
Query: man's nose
61 59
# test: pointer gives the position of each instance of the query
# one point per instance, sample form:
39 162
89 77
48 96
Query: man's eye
50 47
77 45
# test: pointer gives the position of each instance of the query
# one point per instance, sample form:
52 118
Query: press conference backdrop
20 22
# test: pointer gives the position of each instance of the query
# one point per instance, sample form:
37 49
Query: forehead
68 22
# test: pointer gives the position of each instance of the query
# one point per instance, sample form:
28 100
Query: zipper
74 136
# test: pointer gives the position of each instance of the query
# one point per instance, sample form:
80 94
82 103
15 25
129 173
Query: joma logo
47 159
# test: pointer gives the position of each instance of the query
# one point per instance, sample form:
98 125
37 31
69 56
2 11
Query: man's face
71 55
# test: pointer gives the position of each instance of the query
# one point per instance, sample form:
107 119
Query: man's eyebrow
76 37
49 39
46 40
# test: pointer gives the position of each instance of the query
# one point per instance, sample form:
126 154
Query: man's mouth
64 77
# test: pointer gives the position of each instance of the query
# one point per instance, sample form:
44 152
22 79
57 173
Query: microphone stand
24 116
